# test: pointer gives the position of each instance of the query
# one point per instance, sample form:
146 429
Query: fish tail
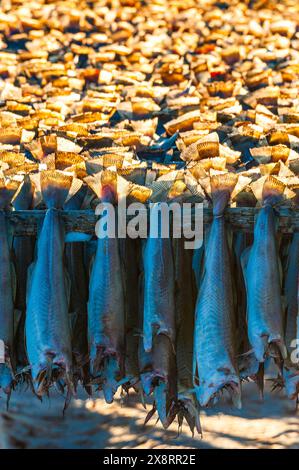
147 382
273 190
160 394
210 394
222 186
111 374
187 408
24 197
109 186
7 192
55 187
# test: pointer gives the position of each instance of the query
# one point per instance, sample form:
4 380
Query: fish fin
160 394
7 191
150 414
55 187
273 190
222 186
187 406
260 379
110 374
106 185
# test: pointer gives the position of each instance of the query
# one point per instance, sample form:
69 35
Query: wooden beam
241 218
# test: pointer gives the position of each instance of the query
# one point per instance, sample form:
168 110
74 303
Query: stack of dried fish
149 102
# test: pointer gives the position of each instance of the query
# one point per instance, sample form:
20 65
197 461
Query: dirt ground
29 424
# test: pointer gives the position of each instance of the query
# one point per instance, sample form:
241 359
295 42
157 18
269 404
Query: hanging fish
214 343
261 268
23 251
106 304
158 277
48 332
7 290
159 329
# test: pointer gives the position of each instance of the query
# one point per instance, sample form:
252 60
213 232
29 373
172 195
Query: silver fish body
214 354
48 336
159 305
263 286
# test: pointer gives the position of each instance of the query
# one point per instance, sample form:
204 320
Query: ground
29 424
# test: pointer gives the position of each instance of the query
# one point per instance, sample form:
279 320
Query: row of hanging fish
149 314
153 101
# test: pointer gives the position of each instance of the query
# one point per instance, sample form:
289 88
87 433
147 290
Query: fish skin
213 337
106 314
48 336
214 342
158 278
263 286
6 306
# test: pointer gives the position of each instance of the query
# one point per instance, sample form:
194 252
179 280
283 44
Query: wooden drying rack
242 218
